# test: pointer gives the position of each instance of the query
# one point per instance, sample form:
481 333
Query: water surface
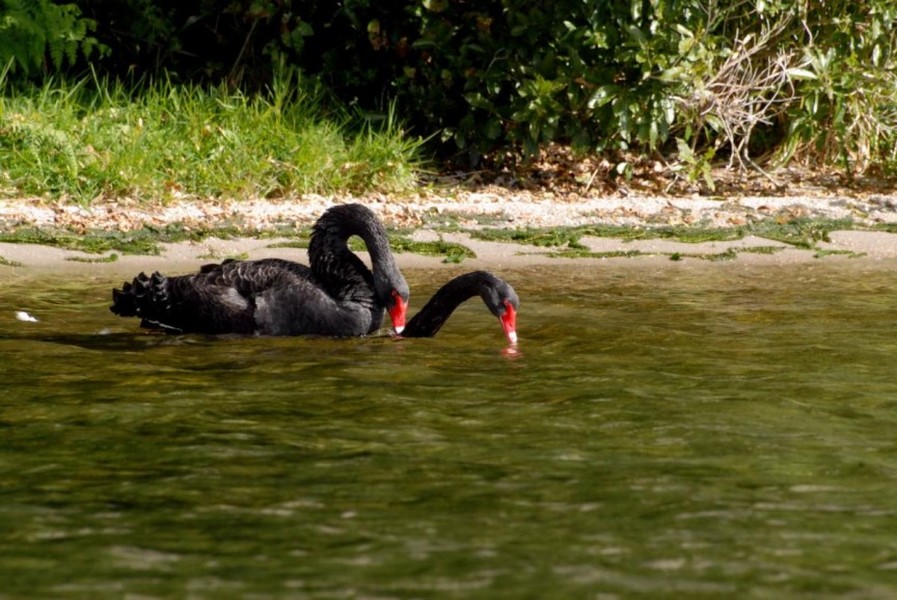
663 431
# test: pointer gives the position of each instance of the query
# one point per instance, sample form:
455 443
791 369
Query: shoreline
452 218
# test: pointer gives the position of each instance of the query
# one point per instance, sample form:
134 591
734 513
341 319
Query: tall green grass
93 140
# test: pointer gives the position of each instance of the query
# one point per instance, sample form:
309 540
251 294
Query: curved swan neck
377 242
333 230
440 307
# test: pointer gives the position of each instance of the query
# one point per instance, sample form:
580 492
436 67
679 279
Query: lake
663 430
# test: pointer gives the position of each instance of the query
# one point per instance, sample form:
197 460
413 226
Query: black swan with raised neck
337 295
498 295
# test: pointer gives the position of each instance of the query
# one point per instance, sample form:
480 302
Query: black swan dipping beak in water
498 295
337 295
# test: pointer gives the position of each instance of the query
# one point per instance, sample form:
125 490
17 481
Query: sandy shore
428 215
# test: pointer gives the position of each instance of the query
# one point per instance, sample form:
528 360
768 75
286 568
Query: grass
93 139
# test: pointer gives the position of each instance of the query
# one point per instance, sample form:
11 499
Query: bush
847 108
707 79
37 35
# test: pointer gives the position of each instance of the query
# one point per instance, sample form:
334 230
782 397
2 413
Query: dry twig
750 88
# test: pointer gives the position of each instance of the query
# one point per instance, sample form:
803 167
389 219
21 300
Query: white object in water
21 315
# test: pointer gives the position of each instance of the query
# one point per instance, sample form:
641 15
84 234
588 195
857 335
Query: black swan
499 296
336 296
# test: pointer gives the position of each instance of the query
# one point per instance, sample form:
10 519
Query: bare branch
751 87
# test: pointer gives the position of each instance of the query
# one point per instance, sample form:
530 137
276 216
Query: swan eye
397 298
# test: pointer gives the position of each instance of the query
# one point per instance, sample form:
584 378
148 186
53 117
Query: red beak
397 312
509 322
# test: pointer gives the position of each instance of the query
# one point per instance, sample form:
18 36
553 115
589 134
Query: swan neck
434 314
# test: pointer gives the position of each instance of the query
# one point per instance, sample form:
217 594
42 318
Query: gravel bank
499 208
426 213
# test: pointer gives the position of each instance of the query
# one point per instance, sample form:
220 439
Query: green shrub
37 34
700 78
847 108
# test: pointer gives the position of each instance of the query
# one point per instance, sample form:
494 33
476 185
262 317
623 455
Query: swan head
393 293
397 311
502 301
508 320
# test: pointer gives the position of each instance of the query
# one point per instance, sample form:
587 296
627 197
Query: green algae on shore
558 242
802 233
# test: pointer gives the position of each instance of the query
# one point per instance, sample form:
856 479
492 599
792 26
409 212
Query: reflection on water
675 431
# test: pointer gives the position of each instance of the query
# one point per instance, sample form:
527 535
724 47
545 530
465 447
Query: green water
666 430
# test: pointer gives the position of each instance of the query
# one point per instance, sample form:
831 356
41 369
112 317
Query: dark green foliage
847 113
36 35
191 40
703 80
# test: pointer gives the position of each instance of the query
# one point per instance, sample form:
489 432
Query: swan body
497 294
337 295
